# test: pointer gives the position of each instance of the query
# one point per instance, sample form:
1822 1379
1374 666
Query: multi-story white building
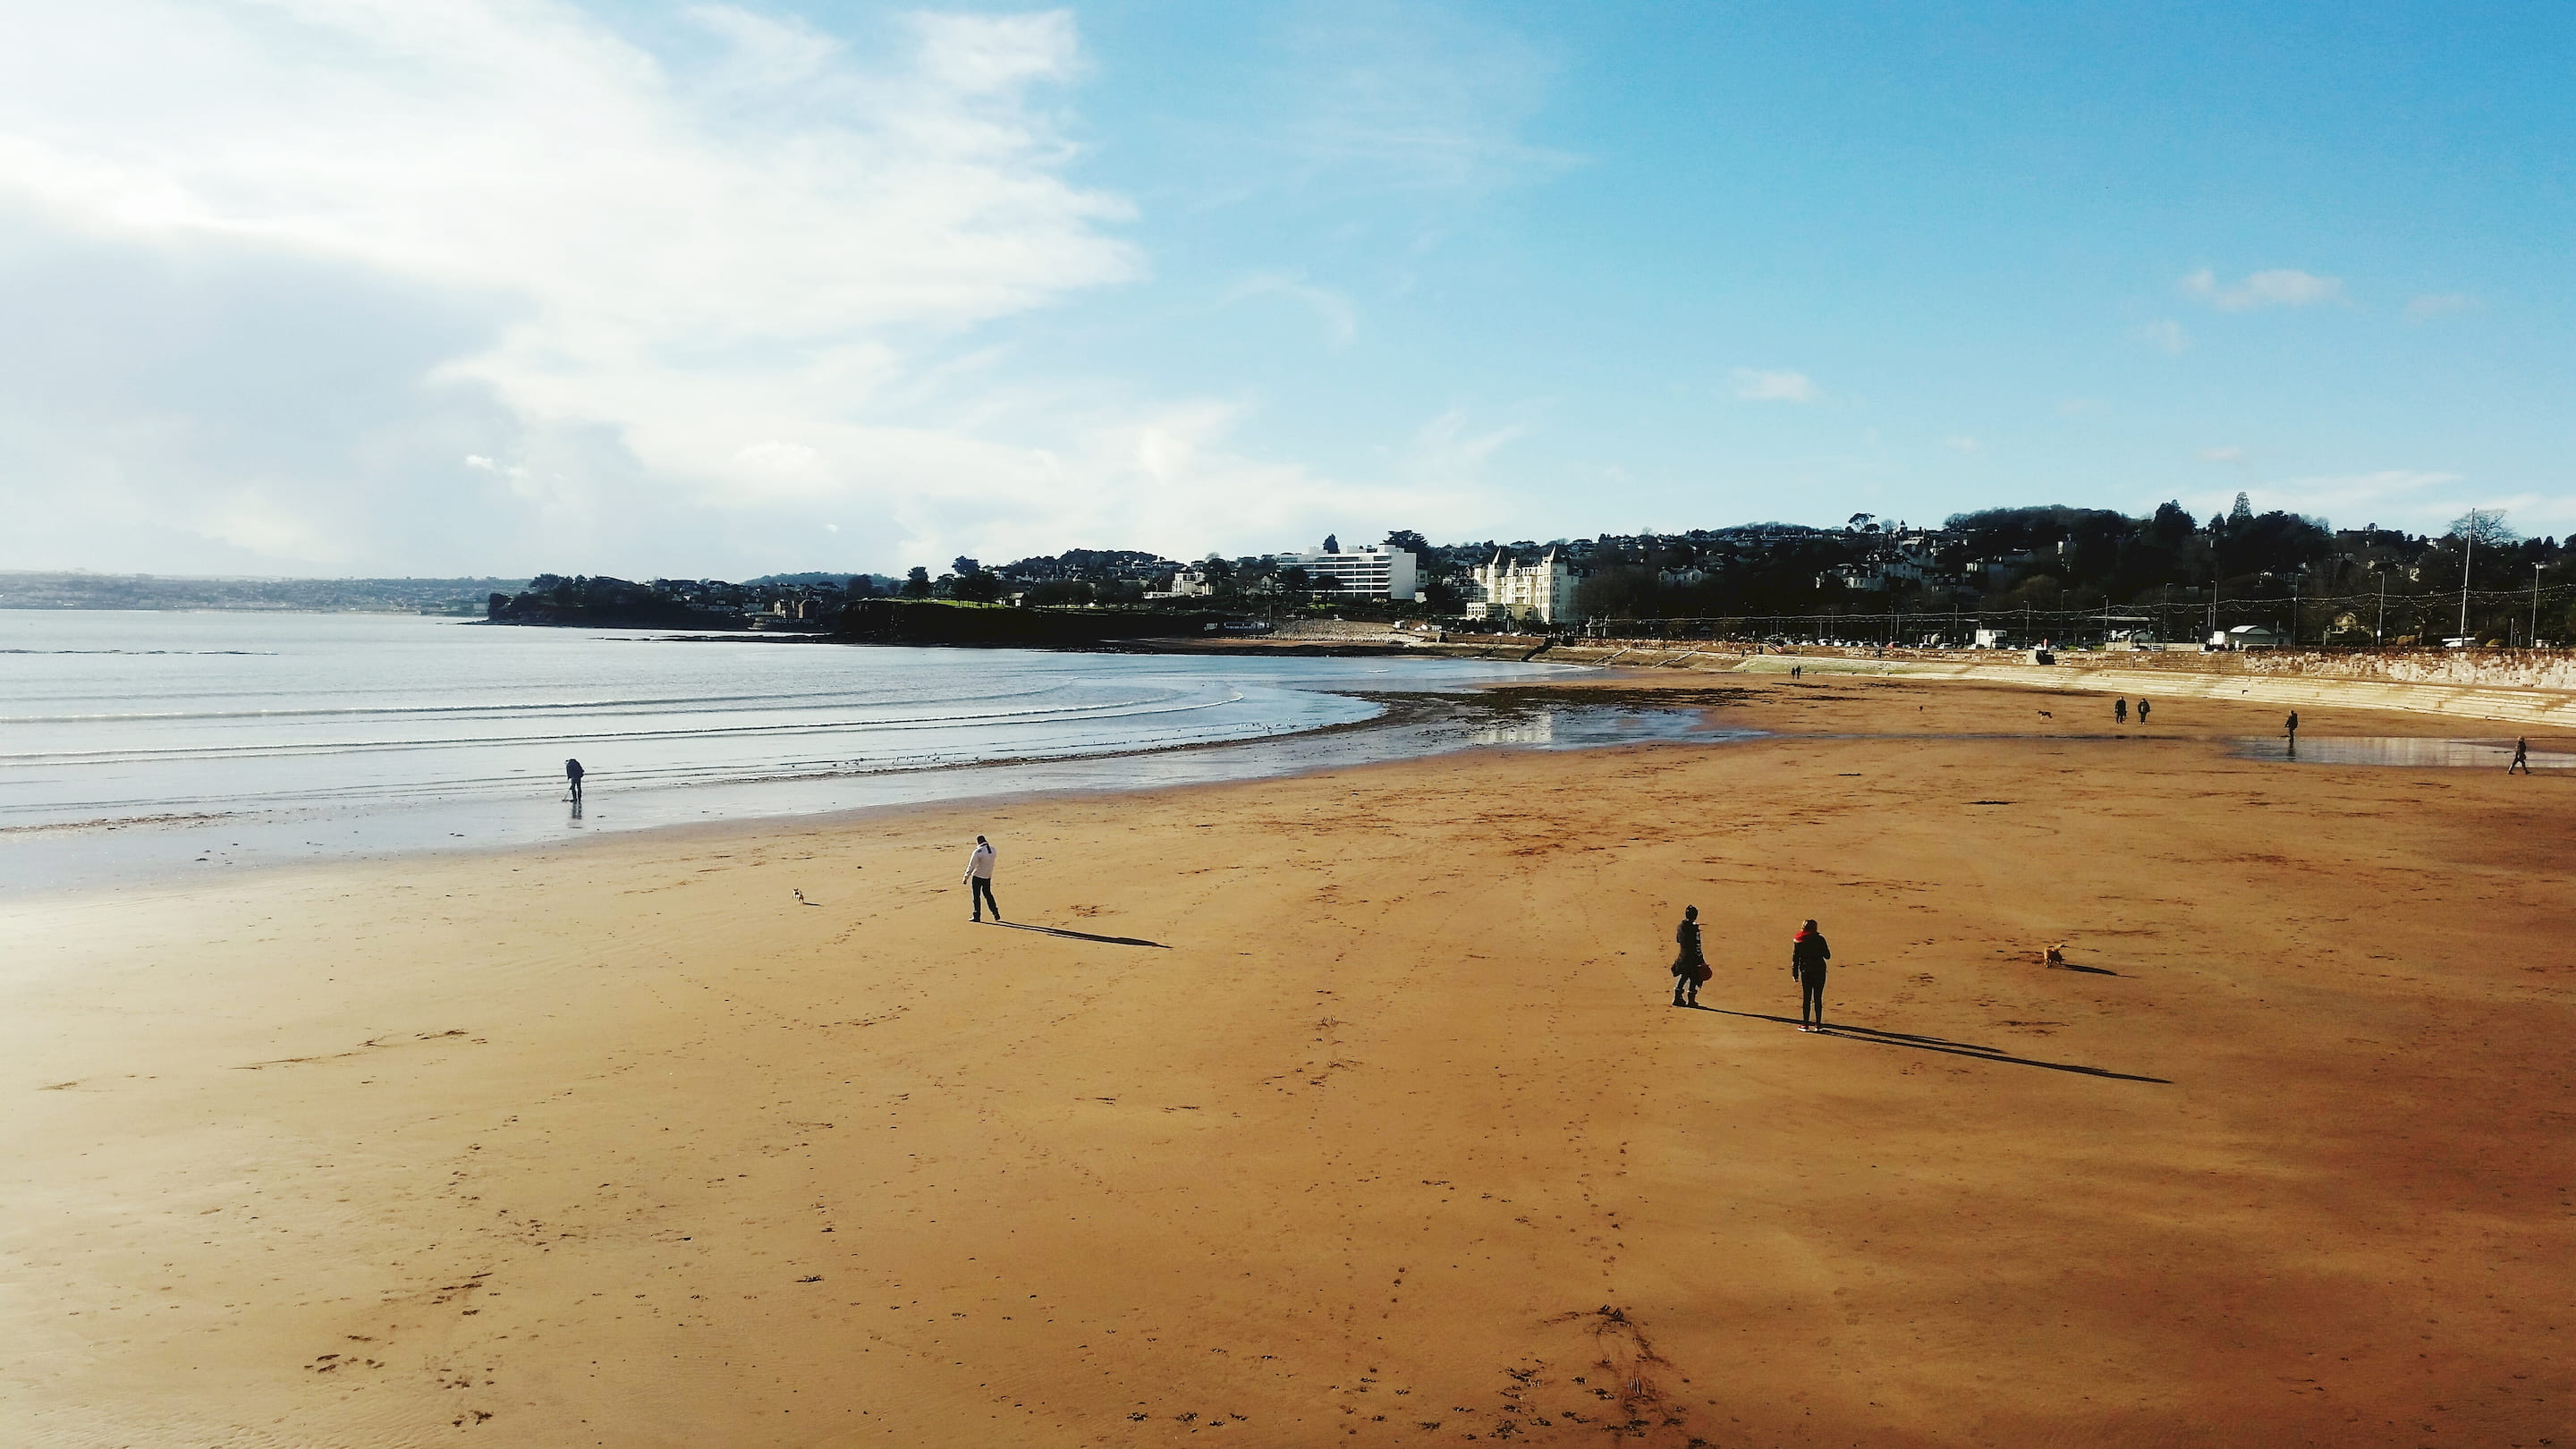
1371 571
1541 591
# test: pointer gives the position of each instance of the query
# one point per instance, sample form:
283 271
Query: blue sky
484 286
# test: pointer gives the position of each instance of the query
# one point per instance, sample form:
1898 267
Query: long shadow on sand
1969 1050
1084 935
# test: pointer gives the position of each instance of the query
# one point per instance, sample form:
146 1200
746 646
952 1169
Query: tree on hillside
916 584
1622 591
2172 526
2484 527
2274 542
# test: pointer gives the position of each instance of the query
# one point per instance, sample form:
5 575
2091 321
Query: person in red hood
1808 954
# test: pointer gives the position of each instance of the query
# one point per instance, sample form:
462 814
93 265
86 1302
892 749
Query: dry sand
1391 1139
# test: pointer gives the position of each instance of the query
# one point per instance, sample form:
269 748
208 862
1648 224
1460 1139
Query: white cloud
2410 498
2440 304
1450 449
1339 317
2279 287
666 307
1962 444
1417 98
2166 336
1757 385
2226 453
2078 407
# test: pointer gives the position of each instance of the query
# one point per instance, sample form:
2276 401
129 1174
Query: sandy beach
1350 1109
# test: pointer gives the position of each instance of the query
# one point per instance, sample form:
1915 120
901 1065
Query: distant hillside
884 582
151 591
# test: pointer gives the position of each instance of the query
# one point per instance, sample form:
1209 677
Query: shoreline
1411 724
1427 715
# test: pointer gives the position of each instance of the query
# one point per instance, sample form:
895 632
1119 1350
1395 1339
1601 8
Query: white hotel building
1371 571
1541 592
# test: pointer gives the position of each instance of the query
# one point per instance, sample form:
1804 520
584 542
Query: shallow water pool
2398 750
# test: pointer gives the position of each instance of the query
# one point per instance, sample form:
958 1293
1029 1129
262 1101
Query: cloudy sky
498 286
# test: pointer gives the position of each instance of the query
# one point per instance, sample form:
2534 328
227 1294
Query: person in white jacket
979 874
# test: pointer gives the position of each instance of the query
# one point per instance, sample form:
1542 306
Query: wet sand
1390 1136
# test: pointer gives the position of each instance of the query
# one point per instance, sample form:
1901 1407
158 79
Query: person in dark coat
1808 954
2521 757
1689 967
2119 711
572 776
2142 711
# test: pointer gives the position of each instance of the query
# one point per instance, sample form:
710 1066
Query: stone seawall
2524 687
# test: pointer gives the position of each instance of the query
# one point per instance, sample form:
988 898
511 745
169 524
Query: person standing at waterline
979 875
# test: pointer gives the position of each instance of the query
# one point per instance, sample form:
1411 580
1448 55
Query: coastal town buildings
1540 592
1189 583
1370 571
1906 557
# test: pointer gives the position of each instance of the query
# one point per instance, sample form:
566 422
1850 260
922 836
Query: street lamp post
2534 639
2466 558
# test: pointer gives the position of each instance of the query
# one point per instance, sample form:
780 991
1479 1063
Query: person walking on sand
2119 711
1689 967
2142 713
979 875
1808 954
2521 757
572 776
2290 727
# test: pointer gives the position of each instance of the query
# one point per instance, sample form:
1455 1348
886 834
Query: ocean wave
325 748
810 699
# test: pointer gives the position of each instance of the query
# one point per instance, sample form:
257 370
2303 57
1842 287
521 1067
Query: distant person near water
1690 968
2521 757
2119 711
979 874
572 776
2142 711
1808 954
2290 727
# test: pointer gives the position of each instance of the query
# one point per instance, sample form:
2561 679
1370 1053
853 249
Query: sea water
132 742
